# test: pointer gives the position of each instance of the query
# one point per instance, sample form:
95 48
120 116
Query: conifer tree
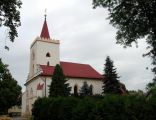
85 89
111 83
58 86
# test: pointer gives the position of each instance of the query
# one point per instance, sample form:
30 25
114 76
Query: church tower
43 51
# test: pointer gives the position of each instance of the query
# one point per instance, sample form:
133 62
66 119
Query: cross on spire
45 15
45 31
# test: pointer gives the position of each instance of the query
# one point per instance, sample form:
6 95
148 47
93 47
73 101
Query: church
44 55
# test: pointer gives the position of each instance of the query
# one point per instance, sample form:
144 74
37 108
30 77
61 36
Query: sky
85 37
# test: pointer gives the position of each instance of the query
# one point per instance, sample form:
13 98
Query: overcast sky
85 36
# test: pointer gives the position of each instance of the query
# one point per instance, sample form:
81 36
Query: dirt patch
5 118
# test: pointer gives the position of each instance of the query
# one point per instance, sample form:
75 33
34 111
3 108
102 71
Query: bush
110 107
59 108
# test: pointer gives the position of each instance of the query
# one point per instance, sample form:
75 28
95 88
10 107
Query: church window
91 89
75 90
33 56
27 94
48 63
48 54
31 92
33 69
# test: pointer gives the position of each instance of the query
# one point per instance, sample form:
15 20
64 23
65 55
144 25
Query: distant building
44 55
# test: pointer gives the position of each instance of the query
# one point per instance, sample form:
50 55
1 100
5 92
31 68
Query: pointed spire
45 31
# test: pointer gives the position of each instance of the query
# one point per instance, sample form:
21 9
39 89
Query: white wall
32 93
97 84
38 50
43 48
23 103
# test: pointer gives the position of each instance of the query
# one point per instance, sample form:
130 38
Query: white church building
44 55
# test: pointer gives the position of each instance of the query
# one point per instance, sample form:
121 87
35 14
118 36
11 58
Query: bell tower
43 51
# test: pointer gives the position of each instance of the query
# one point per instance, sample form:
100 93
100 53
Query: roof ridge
73 63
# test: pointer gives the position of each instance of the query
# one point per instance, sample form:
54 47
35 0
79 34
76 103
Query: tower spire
45 31
45 15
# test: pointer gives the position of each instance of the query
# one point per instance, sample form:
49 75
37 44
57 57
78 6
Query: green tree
151 85
10 91
134 19
10 16
111 83
85 89
58 86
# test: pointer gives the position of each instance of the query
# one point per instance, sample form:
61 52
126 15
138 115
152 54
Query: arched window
48 54
91 89
75 90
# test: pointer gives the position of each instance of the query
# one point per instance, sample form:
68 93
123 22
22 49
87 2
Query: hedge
110 107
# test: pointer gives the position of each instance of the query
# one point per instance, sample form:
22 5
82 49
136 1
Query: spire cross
45 15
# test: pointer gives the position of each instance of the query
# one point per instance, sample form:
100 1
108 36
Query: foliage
10 91
111 83
84 109
58 86
137 93
151 92
58 108
10 16
151 85
109 107
134 19
85 89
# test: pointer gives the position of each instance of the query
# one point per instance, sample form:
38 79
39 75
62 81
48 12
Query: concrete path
19 118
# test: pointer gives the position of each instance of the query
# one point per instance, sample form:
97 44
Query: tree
58 86
10 91
111 83
10 16
150 86
85 89
134 19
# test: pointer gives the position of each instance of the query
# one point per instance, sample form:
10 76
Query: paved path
19 118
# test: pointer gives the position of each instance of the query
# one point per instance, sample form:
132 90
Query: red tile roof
45 31
74 70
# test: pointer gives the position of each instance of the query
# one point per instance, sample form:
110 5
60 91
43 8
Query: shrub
110 107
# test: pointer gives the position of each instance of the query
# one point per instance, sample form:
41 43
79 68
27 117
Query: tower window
48 54
48 63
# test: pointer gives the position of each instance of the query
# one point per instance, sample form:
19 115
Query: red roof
74 70
45 31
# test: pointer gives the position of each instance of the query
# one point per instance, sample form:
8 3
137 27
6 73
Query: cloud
85 35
